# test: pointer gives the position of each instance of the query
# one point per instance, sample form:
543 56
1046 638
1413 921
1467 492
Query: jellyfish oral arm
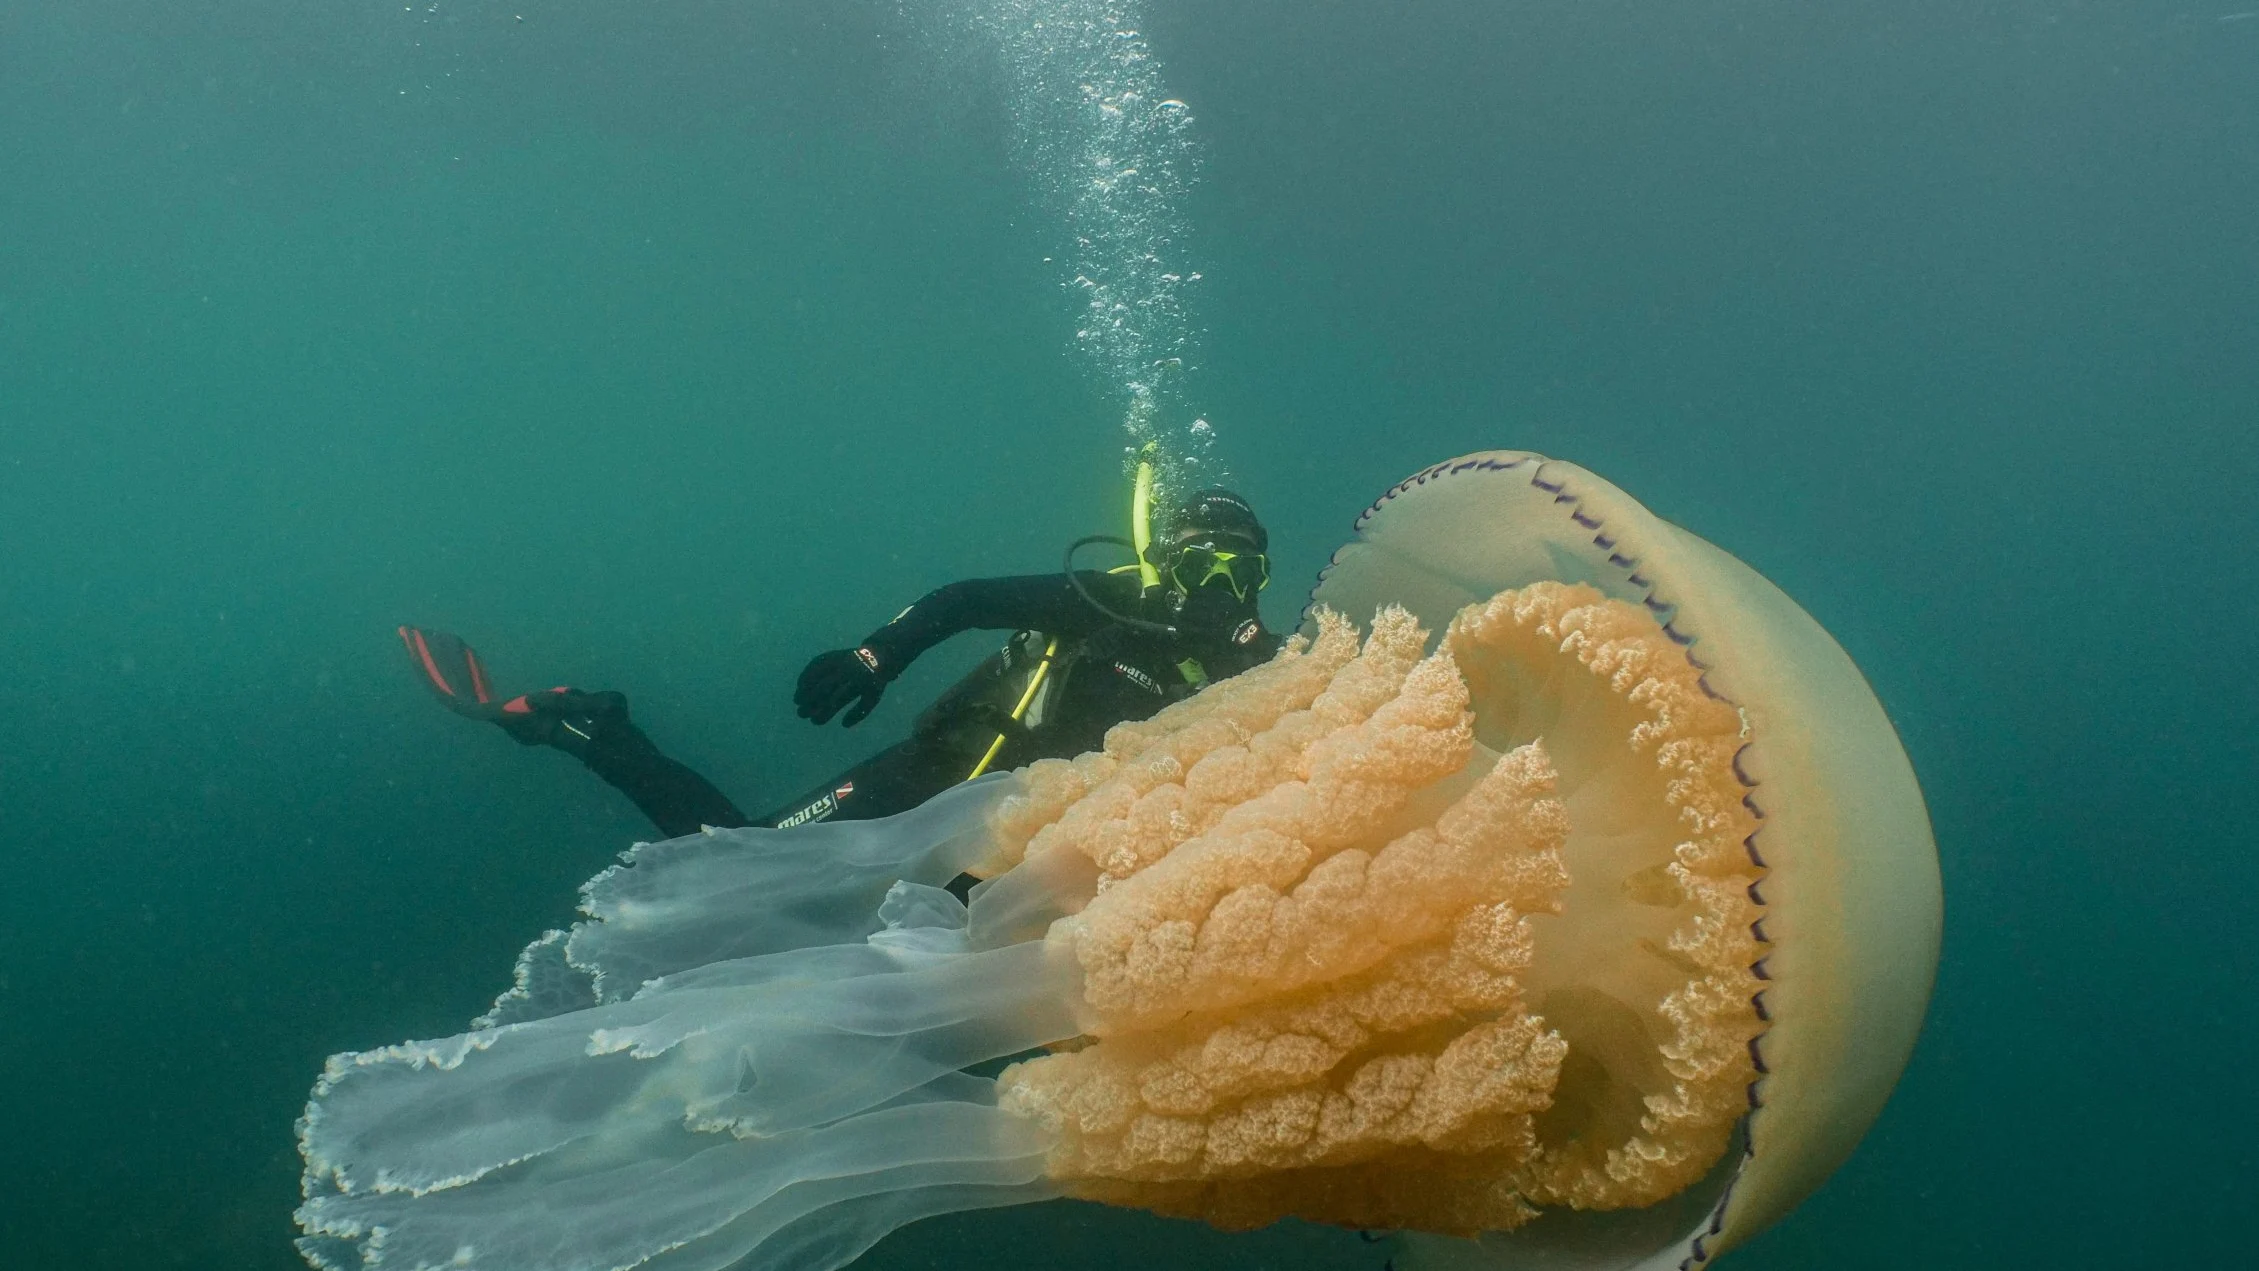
709 1114
788 1107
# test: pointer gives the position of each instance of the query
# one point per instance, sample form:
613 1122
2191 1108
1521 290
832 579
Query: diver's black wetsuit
1102 673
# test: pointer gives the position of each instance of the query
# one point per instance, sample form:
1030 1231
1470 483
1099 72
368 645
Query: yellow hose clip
1035 682
1141 518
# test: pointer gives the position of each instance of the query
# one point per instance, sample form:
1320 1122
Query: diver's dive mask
1179 576
1196 564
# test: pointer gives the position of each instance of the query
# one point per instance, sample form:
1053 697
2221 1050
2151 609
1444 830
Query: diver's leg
896 779
591 727
676 799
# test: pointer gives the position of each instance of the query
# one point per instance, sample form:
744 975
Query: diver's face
1213 608
1215 584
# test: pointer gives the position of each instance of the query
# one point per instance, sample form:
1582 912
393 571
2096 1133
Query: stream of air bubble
1111 153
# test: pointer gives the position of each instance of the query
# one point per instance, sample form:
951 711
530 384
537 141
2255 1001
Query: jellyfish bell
1851 905
1497 916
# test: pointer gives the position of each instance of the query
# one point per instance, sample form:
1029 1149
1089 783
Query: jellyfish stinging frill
1577 911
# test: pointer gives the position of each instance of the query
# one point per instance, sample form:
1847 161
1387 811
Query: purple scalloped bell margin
1665 614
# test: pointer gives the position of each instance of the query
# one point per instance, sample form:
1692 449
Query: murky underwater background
660 346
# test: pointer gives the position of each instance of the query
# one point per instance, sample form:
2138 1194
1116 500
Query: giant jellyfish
1561 898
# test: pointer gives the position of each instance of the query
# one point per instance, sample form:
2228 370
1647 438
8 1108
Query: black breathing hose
1101 606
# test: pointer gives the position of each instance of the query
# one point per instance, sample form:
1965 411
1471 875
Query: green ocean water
660 346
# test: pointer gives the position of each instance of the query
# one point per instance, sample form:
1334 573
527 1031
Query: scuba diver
1090 649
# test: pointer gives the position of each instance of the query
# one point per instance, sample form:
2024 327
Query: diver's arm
852 680
1030 602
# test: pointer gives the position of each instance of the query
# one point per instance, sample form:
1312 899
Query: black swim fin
451 669
563 717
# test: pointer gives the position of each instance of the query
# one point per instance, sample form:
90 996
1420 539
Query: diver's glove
833 680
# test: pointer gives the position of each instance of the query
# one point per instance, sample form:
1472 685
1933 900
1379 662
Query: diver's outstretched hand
565 718
833 680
